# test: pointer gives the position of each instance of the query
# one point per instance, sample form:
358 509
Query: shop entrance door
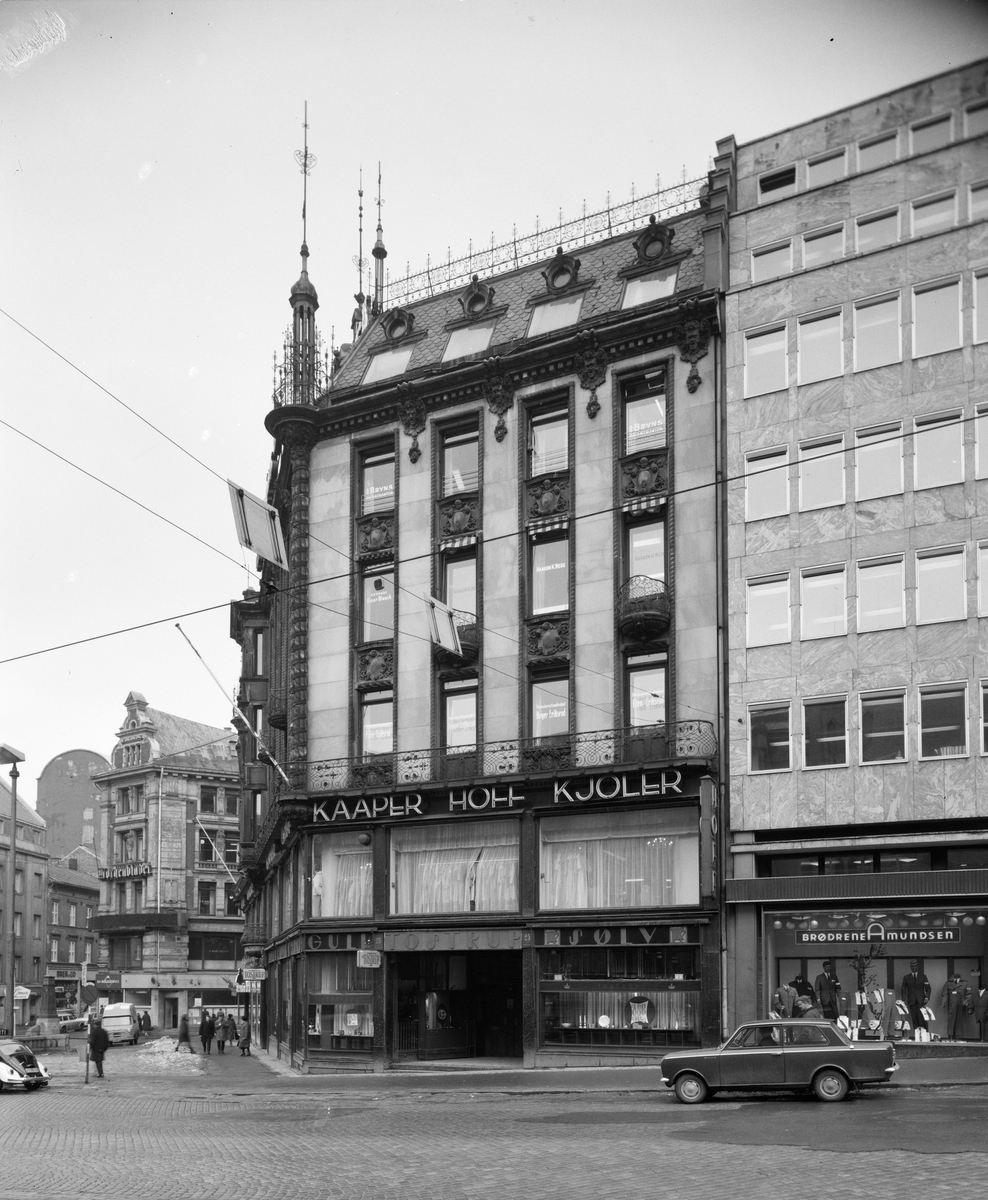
465 1005
170 1015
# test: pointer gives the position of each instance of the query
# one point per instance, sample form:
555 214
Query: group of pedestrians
222 1028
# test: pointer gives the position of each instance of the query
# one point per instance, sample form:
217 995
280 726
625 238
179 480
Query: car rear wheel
830 1085
691 1089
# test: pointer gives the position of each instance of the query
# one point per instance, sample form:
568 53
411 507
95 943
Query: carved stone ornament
644 475
590 361
692 335
561 272
476 298
548 639
411 413
376 536
547 498
375 665
397 323
293 814
653 241
459 516
499 393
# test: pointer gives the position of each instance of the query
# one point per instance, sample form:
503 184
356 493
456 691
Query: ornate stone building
491 673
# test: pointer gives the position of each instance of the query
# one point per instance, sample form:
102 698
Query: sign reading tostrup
506 797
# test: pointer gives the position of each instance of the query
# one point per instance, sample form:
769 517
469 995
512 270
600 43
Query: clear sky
151 225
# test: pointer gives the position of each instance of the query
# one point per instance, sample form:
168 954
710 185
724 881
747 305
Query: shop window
933 215
646 699
877 335
777 184
977 204
930 134
646 544
967 858
387 364
936 318
377 606
938 442
821 473
207 799
820 347
825 732
461 469
769 738
459 716
904 860
766 483
878 461
340 1003
471 339
549 699
771 261
555 314
648 859
460 582
376 723
943 722
644 412
377 482
881 595
766 363
981 308
644 289
768 611
878 152
206 899
883 727
826 169
823 603
823 246
455 868
342 875
548 442
941 586
874 232
550 576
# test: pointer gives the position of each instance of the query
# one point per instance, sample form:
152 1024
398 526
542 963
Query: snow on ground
159 1058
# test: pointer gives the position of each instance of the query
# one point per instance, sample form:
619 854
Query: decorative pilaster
298 441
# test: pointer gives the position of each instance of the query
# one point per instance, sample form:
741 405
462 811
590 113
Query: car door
753 1057
807 1046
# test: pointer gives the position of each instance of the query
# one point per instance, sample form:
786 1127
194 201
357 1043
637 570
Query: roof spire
380 254
358 314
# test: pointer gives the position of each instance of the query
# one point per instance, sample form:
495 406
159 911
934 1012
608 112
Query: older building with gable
481 750
30 870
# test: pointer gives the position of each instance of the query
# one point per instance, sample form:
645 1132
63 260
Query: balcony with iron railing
632 746
644 610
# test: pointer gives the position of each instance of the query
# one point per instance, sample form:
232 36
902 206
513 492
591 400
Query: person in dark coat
955 998
980 1003
183 1034
99 1043
145 1022
220 1030
828 991
231 1029
244 1042
206 1032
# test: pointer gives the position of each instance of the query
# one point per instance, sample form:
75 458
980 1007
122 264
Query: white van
121 1023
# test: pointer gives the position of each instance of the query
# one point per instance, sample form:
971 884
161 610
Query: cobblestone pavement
231 1131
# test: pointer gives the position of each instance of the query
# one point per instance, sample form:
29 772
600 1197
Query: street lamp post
10 757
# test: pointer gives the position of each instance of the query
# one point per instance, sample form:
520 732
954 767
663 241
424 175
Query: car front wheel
830 1085
691 1089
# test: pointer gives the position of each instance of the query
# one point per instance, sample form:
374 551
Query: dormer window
653 241
397 323
387 364
656 285
555 314
561 272
476 297
471 339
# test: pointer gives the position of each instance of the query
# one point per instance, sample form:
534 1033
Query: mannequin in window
955 997
803 987
915 992
784 999
828 991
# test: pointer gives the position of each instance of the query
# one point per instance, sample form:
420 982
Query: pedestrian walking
183 1034
99 1043
220 1024
231 1029
244 1040
145 1022
206 1031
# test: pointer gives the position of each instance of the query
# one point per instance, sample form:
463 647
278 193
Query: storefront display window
455 868
342 876
340 1003
645 859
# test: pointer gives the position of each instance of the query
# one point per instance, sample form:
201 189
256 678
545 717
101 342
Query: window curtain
342 876
621 860
456 868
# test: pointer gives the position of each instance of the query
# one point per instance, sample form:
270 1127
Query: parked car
20 1068
121 1023
778 1056
73 1024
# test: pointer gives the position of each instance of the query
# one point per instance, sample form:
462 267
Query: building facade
68 800
73 903
30 870
169 926
857 459
491 672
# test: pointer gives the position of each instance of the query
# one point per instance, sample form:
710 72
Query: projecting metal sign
253 973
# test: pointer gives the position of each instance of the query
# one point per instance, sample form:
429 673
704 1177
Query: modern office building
857 565
169 926
490 673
